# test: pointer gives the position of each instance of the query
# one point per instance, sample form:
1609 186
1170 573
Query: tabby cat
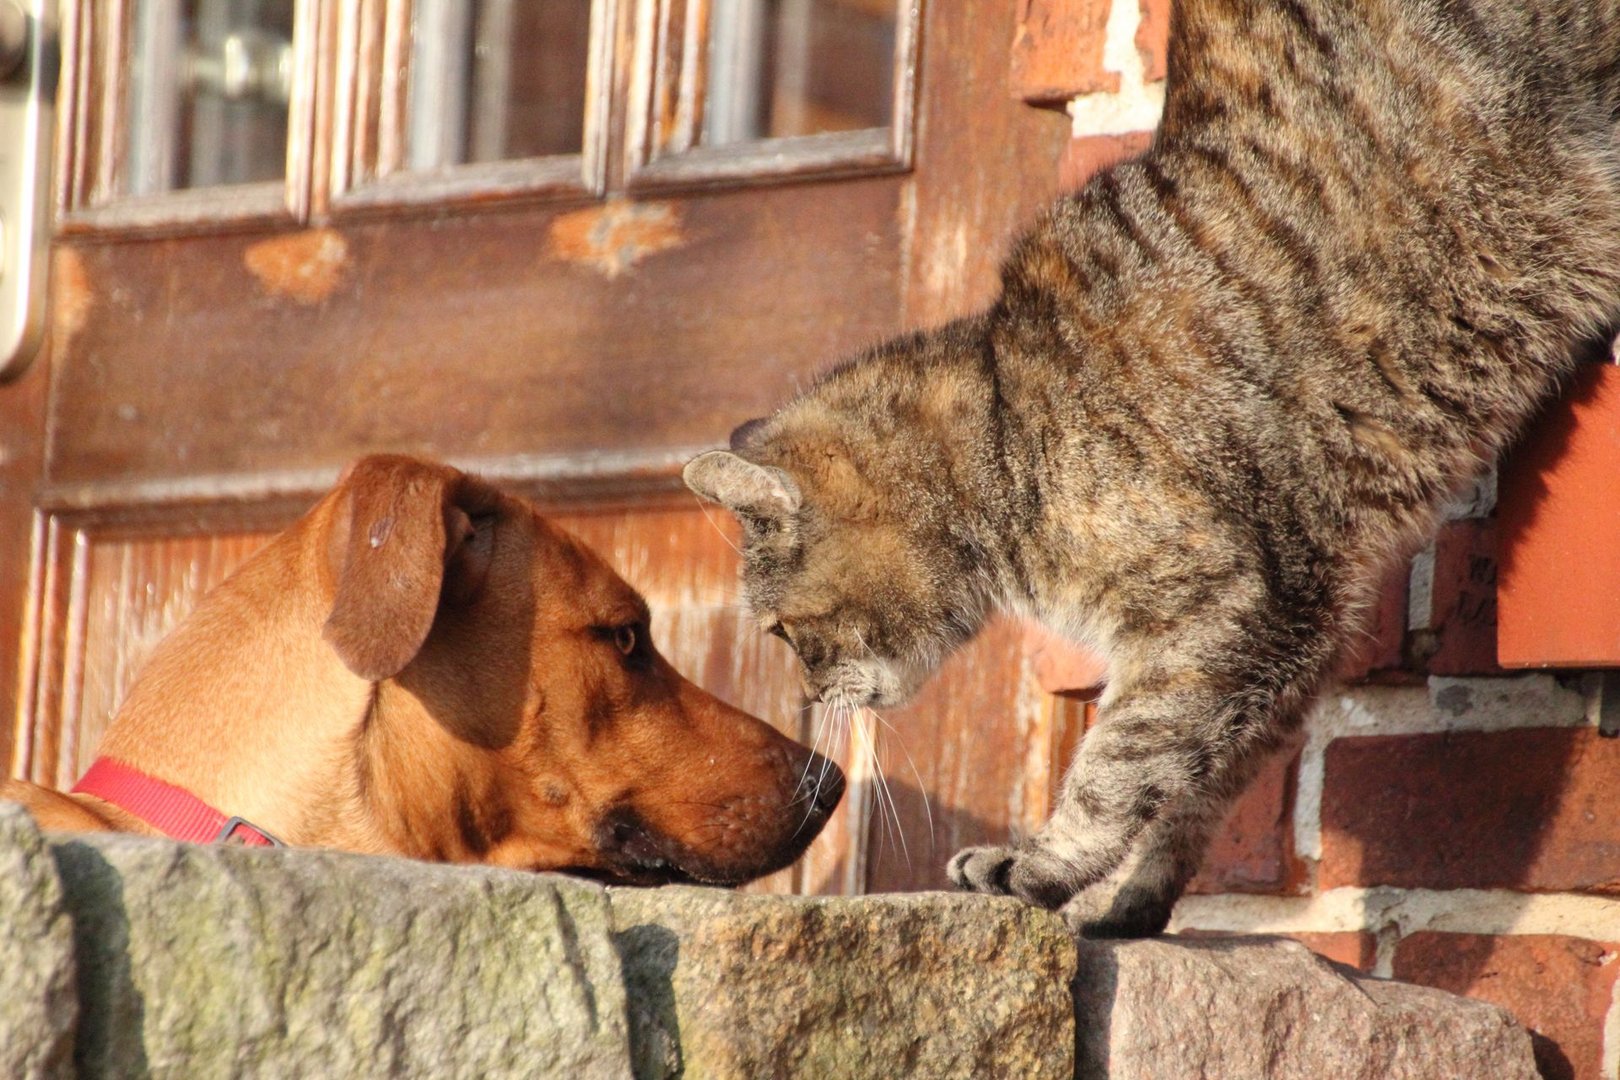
1224 386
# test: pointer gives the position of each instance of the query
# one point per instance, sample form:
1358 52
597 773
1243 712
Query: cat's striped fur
1225 385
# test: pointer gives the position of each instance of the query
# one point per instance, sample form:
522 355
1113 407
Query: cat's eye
624 639
776 630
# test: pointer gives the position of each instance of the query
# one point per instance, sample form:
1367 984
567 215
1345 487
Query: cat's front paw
1108 910
1030 873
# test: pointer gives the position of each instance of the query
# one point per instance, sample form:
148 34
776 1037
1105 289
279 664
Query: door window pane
798 67
496 80
207 99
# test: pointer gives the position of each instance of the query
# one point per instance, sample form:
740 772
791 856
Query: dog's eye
624 639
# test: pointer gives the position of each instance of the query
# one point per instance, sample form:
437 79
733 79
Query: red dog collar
173 811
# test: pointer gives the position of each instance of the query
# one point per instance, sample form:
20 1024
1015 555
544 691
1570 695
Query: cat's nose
831 692
815 689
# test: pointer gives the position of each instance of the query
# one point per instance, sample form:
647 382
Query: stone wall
128 957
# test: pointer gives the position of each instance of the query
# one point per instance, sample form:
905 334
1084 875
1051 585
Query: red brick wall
1444 822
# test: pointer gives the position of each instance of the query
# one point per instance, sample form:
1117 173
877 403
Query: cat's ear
742 486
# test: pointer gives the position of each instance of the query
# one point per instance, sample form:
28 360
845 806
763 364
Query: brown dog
423 666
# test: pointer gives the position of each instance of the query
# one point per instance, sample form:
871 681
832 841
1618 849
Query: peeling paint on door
71 296
615 237
305 266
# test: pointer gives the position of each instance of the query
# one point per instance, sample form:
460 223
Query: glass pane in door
798 67
206 103
496 80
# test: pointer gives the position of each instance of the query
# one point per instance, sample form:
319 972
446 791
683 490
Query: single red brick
1250 852
1560 516
1379 647
1461 639
1086 155
1153 38
1057 52
1561 988
1531 808
1353 948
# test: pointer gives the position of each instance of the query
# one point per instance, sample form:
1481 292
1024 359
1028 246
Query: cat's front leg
1136 900
1088 837
1136 807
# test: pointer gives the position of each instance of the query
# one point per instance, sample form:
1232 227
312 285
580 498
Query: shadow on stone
112 1010
39 1005
649 954
1095 986
1551 1059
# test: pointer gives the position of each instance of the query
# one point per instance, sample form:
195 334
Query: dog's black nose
826 783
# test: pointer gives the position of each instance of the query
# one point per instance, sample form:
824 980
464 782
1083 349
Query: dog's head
522 715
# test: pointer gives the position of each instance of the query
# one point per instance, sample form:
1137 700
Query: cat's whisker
820 731
830 729
888 810
840 723
922 789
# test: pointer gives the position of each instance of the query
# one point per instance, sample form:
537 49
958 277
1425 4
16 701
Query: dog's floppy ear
388 550
741 486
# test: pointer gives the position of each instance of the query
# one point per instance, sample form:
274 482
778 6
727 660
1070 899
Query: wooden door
565 244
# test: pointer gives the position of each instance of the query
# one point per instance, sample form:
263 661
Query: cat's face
837 574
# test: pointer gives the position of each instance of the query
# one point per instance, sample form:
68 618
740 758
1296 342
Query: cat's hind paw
1030 873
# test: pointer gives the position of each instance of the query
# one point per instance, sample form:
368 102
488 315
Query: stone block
936 985
1356 949
38 1007
1269 1009
223 961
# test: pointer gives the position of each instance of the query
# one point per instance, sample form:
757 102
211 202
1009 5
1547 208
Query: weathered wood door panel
500 335
209 372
